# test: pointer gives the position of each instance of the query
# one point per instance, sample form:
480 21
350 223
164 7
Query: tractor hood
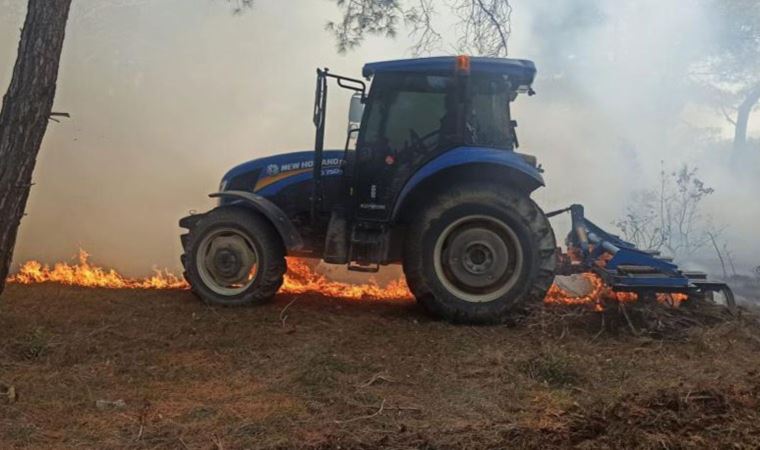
266 176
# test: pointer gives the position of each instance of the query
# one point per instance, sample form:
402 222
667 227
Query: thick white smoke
165 96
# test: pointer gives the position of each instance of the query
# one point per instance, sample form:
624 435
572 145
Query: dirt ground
97 368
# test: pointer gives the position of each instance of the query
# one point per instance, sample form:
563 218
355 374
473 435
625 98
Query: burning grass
300 279
663 316
85 274
598 294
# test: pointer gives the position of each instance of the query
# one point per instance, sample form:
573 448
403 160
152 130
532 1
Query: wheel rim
478 258
227 261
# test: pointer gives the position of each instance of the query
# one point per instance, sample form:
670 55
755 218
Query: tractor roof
520 70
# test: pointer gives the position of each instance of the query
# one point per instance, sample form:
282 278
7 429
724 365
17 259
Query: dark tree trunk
742 118
25 112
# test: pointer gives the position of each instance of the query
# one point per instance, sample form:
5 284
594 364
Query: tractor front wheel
232 257
479 254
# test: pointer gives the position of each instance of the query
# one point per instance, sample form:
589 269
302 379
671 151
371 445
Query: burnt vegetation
98 368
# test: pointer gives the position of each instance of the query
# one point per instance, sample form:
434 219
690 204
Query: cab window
407 111
489 122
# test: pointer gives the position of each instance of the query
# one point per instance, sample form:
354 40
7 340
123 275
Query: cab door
409 119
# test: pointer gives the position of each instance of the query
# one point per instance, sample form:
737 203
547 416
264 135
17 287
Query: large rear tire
233 256
480 254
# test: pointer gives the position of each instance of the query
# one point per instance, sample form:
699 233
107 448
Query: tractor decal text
279 172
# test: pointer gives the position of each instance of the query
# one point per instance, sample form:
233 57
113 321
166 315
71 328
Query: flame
596 297
85 274
674 299
300 279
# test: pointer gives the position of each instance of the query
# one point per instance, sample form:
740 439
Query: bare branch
484 26
669 218
497 24
239 6
362 17
720 255
727 116
420 19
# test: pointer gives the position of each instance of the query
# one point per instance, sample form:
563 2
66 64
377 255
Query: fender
461 156
290 236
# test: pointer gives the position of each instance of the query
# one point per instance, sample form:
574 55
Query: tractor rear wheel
233 257
479 254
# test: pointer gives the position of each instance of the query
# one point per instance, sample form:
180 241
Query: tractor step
371 268
368 247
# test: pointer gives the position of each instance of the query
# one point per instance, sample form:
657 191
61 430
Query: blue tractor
433 182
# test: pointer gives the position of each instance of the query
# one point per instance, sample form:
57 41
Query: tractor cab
415 111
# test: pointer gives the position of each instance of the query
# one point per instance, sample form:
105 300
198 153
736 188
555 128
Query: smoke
166 96
616 106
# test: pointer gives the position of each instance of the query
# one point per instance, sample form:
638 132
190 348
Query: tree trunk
742 118
25 112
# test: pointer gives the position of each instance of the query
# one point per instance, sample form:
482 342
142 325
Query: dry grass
359 375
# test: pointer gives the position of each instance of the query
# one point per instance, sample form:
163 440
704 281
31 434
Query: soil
139 369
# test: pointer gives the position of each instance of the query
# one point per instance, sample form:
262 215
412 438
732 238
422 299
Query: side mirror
355 111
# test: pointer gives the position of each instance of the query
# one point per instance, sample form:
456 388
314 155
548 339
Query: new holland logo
273 169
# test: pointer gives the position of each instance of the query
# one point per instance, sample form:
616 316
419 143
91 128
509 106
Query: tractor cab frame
416 111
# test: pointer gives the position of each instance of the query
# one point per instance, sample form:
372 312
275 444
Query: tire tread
542 237
271 246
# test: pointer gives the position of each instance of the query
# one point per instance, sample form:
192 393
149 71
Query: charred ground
329 373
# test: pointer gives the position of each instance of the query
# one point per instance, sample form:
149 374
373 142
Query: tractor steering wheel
418 141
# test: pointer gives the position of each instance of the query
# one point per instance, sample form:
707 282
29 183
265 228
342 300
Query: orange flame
596 297
87 275
674 299
300 279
